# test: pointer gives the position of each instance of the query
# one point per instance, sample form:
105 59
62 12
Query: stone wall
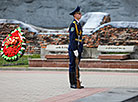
115 33
55 13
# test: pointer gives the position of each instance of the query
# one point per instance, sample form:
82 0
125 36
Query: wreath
13 46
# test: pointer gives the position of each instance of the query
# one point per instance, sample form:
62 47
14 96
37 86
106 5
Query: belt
78 40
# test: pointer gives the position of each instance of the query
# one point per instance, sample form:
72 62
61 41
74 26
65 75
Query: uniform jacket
73 44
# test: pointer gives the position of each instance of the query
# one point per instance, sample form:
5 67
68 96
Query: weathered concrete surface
36 86
90 53
55 13
114 95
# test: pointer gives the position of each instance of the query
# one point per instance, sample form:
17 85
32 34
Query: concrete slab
112 48
53 86
113 95
67 69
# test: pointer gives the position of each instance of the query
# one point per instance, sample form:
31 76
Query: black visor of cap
75 10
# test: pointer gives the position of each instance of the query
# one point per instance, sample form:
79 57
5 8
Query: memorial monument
110 45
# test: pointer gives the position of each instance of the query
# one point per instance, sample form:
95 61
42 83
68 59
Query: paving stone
36 86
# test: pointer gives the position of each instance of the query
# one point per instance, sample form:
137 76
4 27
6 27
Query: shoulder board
74 22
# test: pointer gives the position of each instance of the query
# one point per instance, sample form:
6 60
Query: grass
22 62
15 66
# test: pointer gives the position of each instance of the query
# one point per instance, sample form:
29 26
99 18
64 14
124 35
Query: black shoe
73 86
81 87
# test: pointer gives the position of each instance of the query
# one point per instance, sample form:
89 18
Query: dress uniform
75 47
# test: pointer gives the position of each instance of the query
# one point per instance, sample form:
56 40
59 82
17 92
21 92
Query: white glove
76 53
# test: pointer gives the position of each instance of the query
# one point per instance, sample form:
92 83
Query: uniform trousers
72 67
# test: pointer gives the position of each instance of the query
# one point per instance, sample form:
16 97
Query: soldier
75 46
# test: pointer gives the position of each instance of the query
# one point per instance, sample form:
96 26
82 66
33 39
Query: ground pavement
52 86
